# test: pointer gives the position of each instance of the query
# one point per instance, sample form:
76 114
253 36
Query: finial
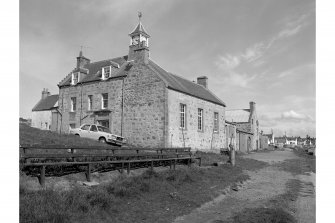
139 16
81 51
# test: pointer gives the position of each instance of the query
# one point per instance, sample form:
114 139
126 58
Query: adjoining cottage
44 113
271 138
136 98
247 126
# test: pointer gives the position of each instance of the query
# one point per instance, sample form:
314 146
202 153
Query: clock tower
139 43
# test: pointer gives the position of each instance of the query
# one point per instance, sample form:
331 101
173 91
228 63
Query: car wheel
77 135
102 140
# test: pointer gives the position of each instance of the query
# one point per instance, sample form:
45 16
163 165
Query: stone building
43 113
271 137
138 99
246 122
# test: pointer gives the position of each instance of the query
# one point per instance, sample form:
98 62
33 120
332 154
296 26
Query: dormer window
106 72
75 78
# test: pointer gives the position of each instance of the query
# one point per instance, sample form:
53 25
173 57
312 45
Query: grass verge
305 163
150 197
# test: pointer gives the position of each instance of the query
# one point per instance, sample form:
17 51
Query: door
84 131
93 133
104 123
249 144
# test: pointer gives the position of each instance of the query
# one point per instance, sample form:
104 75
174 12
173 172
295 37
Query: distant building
287 140
43 113
271 138
246 123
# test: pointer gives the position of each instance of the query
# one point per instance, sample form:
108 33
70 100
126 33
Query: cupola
139 43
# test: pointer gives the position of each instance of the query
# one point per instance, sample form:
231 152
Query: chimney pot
45 93
203 80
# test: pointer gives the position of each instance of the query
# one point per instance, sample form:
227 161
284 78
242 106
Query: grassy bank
150 197
29 135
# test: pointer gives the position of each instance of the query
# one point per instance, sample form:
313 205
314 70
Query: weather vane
139 16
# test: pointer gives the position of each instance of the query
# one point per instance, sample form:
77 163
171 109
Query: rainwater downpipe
81 103
122 106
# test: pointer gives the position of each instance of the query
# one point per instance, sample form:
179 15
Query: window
216 122
72 126
73 104
93 128
182 116
85 127
104 101
200 119
75 78
106 71
89 102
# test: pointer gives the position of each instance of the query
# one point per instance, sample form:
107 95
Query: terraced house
136 98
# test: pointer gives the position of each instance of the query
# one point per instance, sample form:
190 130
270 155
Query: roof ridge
167 84
199 85
235 109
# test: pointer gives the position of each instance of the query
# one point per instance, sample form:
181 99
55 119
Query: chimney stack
252 107
45 93
81 60
203 80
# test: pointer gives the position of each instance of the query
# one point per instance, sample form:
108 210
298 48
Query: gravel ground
263 185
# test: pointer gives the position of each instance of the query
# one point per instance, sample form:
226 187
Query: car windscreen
103 129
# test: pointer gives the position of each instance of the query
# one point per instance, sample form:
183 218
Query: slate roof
94 70
172 81
47 103
238 115
180 84
139 30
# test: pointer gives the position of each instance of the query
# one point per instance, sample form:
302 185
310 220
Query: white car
98 132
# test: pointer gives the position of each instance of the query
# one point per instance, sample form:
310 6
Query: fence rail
148 156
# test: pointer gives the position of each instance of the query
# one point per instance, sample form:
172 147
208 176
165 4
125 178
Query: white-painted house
43 110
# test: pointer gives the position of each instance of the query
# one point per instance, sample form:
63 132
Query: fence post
189 162
88 173
42 176
199 161
72 152
128 169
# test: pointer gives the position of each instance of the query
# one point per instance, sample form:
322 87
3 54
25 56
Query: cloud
228 62
238 79
254 54
292 115
299 70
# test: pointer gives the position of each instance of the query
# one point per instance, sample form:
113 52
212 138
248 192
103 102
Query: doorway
104 123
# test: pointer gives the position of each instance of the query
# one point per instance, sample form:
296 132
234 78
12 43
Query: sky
260 50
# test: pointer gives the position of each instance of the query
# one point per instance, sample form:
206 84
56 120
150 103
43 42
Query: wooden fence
42 156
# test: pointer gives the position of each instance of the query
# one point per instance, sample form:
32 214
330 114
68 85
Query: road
263 185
